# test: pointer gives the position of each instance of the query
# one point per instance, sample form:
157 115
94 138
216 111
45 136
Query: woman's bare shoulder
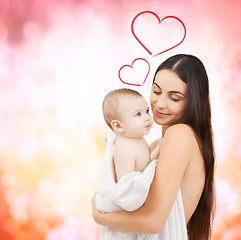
180 131
182 138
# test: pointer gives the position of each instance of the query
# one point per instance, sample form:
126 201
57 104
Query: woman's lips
161 114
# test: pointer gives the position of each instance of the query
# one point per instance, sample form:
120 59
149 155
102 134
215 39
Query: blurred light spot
239 65
27 148
45 121
19 208
69 232
85 17
53 141
218 225
4 6
3 137
10 195
53 234
21 236
66 115
99 3
46 187
41 226
225 195
41 98
4 70
40 208
8 179
32 31
233 233
3 31
11 227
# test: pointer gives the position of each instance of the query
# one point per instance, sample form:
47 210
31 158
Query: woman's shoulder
180 127
181 134
180 130
180 141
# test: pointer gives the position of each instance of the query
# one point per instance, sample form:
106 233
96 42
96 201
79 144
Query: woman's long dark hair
197 115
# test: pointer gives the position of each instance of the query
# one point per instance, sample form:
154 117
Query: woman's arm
175 155
117 220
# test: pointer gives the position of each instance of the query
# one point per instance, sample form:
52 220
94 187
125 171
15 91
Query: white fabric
130 193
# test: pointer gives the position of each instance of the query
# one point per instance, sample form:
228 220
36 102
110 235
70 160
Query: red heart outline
178 19
131 66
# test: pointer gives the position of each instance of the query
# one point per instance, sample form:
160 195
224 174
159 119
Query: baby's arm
124 161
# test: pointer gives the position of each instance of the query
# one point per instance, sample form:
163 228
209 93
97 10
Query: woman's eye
156 92
175 99
138 114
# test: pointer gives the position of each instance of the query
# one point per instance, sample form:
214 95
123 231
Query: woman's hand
113 219
93 202
95 212
94 209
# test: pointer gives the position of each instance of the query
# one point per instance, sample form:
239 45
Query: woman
180 103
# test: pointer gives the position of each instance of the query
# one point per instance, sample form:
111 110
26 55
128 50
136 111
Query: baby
127 114
127 171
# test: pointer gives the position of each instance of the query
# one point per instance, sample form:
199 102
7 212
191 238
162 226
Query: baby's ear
116 126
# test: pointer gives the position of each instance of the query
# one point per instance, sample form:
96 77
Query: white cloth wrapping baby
130 193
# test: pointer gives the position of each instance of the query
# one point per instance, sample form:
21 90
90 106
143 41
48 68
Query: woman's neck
164 128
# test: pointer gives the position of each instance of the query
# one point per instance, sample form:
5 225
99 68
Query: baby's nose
148 117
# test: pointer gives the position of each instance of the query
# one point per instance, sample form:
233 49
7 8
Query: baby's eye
147 111
138 114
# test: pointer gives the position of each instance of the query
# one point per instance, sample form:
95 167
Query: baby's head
127 113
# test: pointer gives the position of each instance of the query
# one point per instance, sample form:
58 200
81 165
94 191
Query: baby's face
135 118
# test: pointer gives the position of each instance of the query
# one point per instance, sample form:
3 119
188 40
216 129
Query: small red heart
160 21
131 66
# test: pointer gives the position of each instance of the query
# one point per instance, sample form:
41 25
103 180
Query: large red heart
159 21
137 70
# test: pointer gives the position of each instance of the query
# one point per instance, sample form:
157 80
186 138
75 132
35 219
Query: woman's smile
160 114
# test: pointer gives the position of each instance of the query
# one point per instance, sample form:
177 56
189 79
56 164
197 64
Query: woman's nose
161 102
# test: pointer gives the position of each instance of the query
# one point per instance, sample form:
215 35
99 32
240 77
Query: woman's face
168 97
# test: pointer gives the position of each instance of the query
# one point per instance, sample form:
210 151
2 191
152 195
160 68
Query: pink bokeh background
58 59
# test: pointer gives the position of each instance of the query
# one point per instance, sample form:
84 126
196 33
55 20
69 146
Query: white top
130 193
